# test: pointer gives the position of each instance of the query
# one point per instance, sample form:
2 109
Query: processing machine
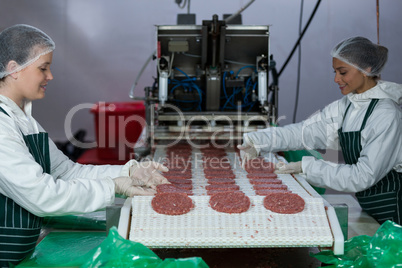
212 82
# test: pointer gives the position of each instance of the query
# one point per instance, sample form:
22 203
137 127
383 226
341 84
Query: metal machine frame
203 68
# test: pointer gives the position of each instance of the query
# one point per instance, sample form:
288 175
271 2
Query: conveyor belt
204 227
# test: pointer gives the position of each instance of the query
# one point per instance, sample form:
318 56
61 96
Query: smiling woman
358 63
30 83
351 79
37 179
365 124
26 58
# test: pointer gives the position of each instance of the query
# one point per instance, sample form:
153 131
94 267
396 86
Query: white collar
15 109
383 90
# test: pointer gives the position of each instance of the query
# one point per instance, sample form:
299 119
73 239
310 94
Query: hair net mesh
23 44
361 53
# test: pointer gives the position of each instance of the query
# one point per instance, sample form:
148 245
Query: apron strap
370 109
2 110
347 109
343 119
37 144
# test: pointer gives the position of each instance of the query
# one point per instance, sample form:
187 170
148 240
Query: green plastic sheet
89 221
116 251
68 249
383 250
91 250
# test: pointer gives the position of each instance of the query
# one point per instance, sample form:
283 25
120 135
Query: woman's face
32 81
349 78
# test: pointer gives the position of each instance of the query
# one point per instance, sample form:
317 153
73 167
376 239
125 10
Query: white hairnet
23 44
361 53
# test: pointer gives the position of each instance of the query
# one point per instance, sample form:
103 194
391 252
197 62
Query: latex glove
125 171
292 167
247 150
127 187
147 174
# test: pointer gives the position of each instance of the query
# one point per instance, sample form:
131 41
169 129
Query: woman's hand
247 150
292 167
148 174
128 187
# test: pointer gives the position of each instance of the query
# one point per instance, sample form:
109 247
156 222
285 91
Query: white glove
125 171
247 150
292 167
146 174
128 187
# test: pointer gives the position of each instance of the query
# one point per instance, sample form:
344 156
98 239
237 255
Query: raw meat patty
230 202
221 181
265 181
220 175
222 159
284 203
170 188
270 191
231 187
177 176
218 171
180 181
183 186
218 166
270 186
172 203
262 176
212 192
179 169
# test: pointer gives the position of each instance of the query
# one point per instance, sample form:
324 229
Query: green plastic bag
386 246
383 250
64 249
115 251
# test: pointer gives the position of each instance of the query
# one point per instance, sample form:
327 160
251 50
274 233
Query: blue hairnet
361 53
23 44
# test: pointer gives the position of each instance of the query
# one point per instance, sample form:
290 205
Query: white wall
101 46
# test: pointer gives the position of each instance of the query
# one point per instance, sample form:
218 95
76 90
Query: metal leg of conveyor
341 211
112 217
124 219
113 213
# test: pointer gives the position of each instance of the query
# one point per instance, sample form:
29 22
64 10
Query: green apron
383 200
20 229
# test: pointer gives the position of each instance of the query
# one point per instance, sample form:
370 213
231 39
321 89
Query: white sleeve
23 180
63 168
319 131
381 152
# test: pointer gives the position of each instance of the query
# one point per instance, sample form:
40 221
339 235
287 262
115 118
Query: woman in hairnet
365 123
36 179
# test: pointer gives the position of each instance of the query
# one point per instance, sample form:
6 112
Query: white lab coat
70 187
381 139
